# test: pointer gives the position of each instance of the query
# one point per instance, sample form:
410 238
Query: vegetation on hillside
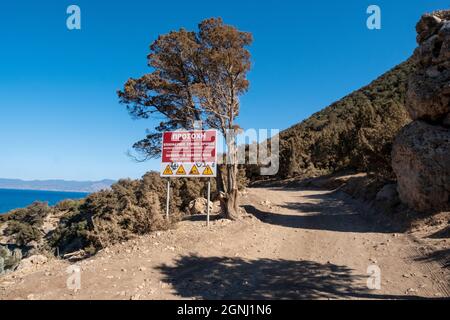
24 225
355 132
128 209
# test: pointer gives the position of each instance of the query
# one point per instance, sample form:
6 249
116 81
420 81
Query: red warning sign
189 153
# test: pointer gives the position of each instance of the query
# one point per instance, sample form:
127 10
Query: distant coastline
39 190
56 185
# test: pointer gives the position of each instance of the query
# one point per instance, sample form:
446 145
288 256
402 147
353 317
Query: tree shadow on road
440 256
326 214
441 234
235 278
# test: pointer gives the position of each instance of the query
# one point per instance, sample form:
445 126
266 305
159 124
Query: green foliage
195 75
22 233
24 225
73 229
130 208
68 205
34 214
354 133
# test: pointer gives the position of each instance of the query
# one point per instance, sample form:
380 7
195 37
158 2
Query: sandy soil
294 244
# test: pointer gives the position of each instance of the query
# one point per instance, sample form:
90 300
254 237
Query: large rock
421 151
421 161
198 206
428 25
428 96
387 197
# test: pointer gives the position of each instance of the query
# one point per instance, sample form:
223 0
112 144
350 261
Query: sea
12 199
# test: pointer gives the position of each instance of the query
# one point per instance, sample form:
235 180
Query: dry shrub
130 208
24 225
122 213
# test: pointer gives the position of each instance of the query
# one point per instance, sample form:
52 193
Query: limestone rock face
428 96
427 26
421 161
421 151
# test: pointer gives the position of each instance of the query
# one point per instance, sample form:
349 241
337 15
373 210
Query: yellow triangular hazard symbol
208 171
181 170
194 170
168 170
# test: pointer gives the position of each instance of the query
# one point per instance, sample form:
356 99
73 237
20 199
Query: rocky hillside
355 132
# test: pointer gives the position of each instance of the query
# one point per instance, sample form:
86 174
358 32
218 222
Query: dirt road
295 244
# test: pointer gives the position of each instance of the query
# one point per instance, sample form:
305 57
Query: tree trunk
229 197
233 195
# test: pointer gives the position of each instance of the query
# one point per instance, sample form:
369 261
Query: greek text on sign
189 154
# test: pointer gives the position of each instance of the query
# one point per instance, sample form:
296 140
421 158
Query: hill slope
355 132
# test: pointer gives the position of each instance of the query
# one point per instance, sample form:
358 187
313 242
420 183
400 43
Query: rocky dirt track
294 244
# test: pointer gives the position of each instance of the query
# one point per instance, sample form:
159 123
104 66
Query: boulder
198 206
428 97
421 162
388 197
430 23
427 26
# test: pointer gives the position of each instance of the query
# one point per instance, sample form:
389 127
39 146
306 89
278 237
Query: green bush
34 214
24 225
129 208
68 205
22 233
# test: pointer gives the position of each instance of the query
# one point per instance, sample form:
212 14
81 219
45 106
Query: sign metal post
168 199
207 203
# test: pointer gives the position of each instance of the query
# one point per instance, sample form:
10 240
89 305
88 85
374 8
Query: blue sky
59 113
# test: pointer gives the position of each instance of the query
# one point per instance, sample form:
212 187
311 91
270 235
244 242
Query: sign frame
189 145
